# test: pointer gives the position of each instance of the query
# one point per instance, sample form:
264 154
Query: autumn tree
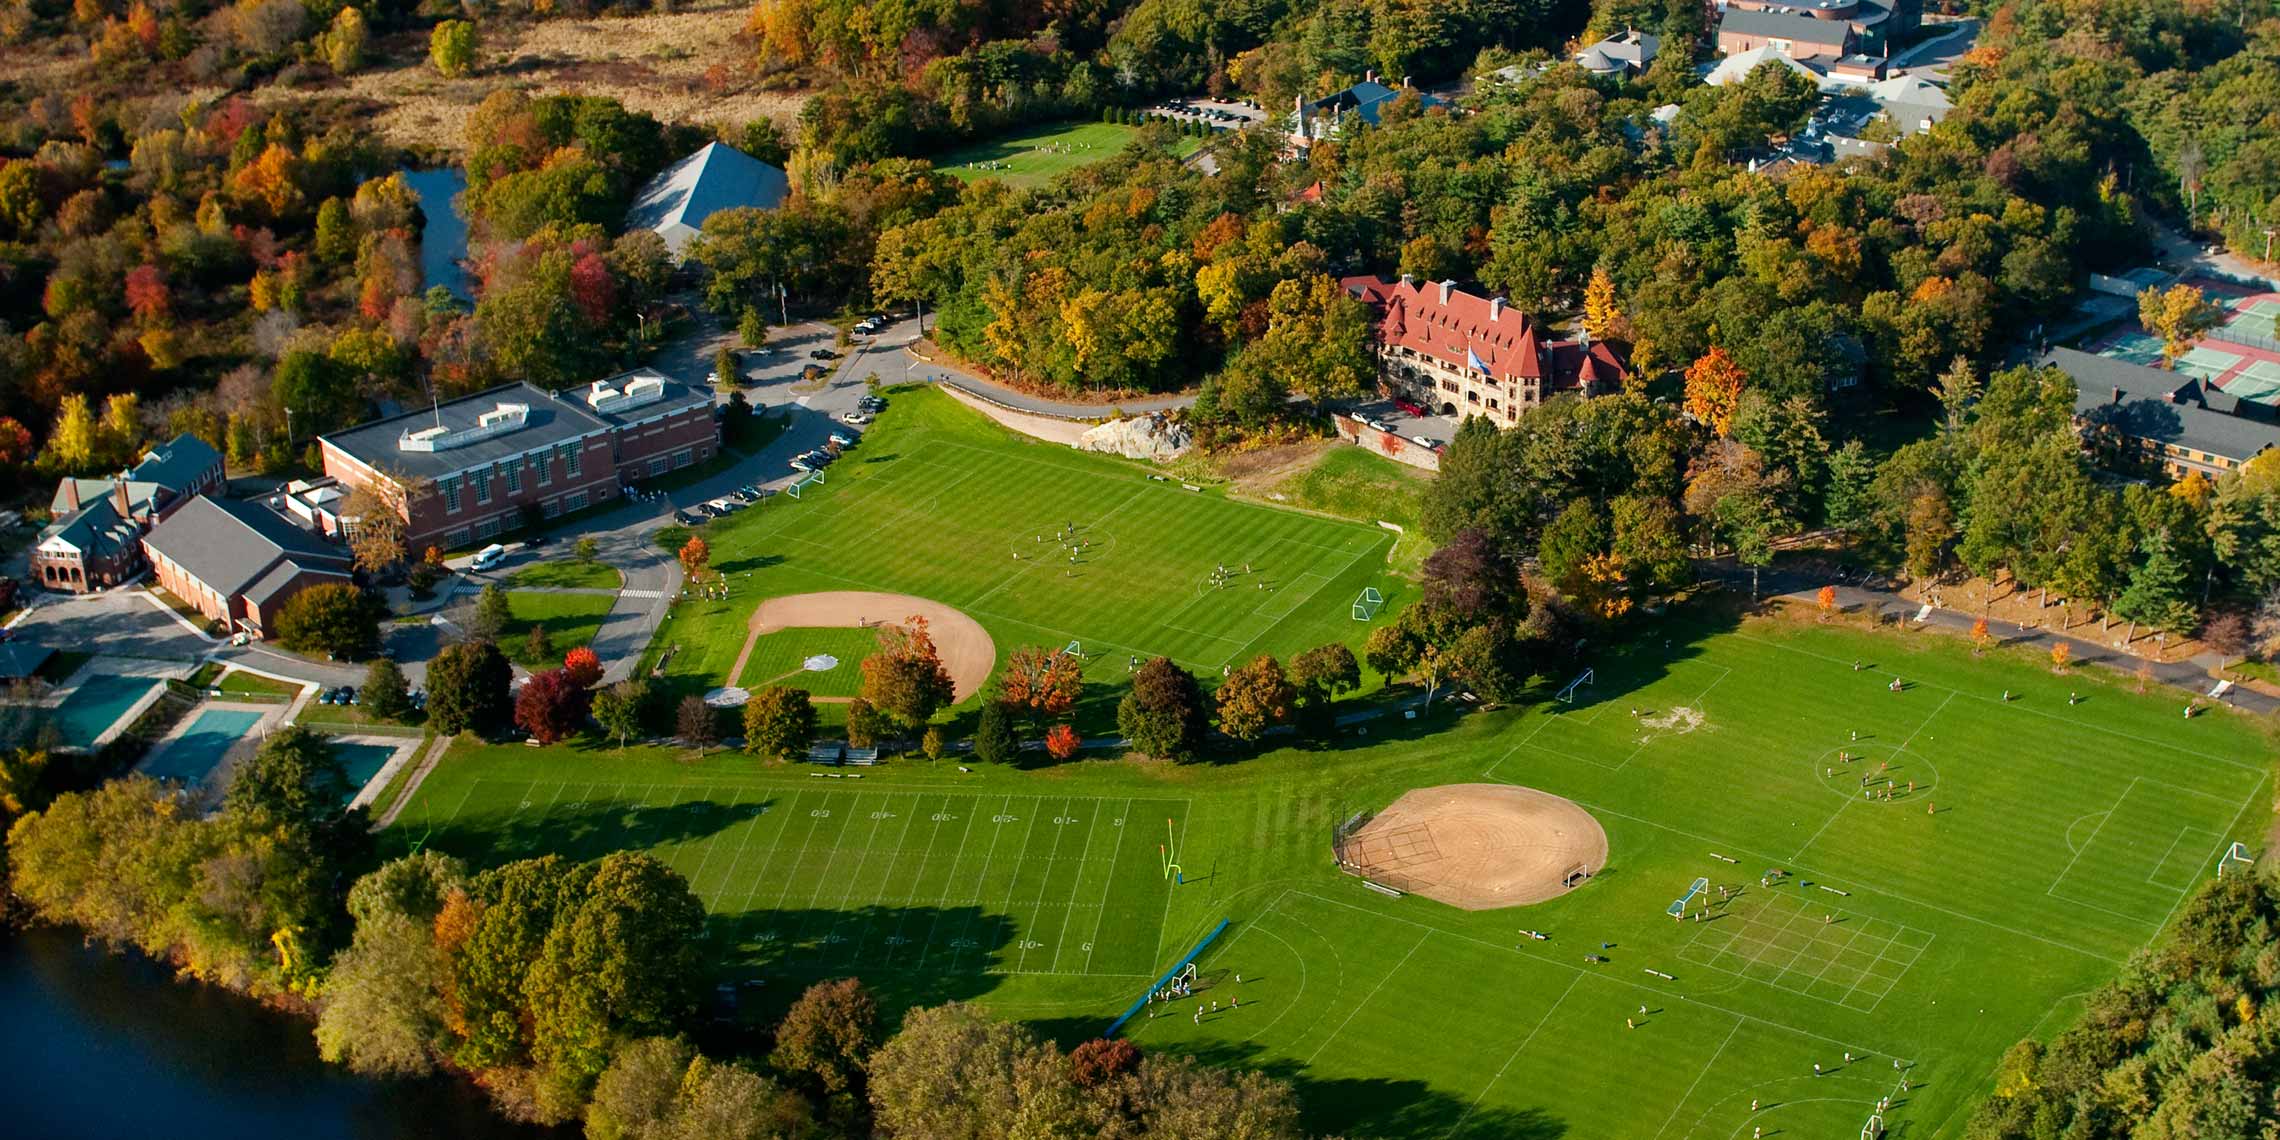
779 723
1980 638
584 666
1042 683
491 614
695 722
1714 390
695 555
1255 696
451 48
2180 315
343 43
1826 598
826 1040
333 618
906 679
1062 742
1600 313
1163 713
376 529
2060 653
551 706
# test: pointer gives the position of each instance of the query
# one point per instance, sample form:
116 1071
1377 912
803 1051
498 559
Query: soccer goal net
1567 695
1693 891
808 480
2235 858
1368 603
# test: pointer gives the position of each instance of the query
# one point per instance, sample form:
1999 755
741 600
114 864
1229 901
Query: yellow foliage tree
272 180
1714 390
2179 315
1599 311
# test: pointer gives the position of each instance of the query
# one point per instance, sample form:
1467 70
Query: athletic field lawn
568 572
938 502
2065 836
781 658
2065 833
571 620
1026 158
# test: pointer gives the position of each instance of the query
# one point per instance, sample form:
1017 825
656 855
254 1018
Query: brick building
1826 28
238 562
95 540
467 471
2136 417
1462 354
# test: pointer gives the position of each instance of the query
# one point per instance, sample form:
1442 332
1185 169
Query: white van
488 557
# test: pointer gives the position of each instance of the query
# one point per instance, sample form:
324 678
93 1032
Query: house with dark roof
466 471
1629 53
719 177
93 541
238 562
1463 354
2134 414
1365 101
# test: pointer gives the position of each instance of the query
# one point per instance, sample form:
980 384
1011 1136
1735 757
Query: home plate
820 663
728 698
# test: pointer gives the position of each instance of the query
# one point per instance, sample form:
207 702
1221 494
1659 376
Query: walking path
428 762
953 376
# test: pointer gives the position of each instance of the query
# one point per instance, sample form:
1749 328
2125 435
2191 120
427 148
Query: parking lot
1225 114
1427 430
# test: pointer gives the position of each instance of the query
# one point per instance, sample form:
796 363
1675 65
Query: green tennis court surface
2256 318
2207 363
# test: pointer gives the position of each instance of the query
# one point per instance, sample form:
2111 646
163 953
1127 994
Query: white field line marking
1522 1048
1608 978
1046 880
462 805
950 879
997 828
1093 940
1295 998
1164 926
1062 939
917 805
2118 801
1358 1007
728 878
1302 602
785 894
1658 734
862 861
1920 726
712 843
2022 708
2230 828
1706 1067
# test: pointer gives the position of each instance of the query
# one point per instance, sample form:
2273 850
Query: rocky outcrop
1155 436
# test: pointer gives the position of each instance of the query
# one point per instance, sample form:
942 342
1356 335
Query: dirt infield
965 647
1478 846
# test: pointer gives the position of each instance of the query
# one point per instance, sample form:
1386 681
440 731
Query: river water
106 1046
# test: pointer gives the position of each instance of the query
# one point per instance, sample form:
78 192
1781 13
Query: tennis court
2206 362
2255 318
2260 381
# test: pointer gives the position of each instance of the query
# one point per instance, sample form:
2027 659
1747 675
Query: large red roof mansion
1462 354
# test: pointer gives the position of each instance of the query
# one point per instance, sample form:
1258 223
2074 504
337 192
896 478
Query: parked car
823 354
872 404
842 439
488 557
687 518
1422 441
534 542
726 505
866 327
856 418
802 464
822 457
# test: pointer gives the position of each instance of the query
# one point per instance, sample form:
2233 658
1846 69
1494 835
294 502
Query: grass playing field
2066 834
940 503
571 620
1033 157
780 658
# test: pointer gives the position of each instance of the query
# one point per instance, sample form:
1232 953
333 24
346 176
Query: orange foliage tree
583 665
696 554
1043 682
1062 742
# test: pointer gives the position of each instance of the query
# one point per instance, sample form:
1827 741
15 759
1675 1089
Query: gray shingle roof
2166 407
718 177
232 545
552 420
95 529
1785 26
177 463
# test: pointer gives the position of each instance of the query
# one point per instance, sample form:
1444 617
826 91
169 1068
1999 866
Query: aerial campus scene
1315 568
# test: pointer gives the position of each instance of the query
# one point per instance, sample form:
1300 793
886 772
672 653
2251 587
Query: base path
1478 846
964 646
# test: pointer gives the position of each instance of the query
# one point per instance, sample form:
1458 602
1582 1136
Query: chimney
1409 280
70 490
119 496
1370 77
1445 287
1495 309
1405 82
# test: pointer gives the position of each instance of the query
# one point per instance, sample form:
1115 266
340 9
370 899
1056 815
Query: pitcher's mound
1478 846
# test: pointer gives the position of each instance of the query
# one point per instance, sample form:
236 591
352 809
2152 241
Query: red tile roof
1470 332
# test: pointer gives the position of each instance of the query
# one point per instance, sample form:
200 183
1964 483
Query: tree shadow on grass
909 957
580 829
1376 1106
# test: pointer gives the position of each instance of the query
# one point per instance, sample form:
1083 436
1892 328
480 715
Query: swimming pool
97 704
363 761
190 757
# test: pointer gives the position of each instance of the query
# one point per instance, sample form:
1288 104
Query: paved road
1931 59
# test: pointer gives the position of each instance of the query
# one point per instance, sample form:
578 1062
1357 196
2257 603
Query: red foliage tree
147 293
551 706
1062 742
592 288
1101 1058
15 443
584 666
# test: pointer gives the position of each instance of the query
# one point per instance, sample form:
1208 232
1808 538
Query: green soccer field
940 503
1032 157
2073 815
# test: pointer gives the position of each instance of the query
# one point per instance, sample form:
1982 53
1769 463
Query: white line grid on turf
810 817
1764 941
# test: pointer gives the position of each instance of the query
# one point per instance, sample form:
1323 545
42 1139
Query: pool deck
107 666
